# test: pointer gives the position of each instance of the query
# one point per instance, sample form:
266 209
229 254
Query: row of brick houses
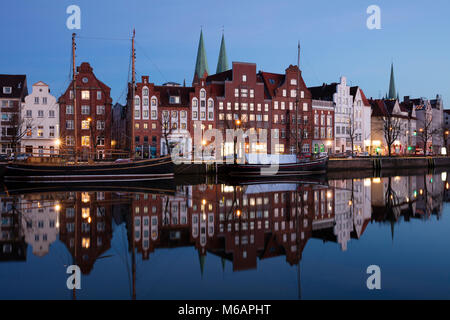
330 118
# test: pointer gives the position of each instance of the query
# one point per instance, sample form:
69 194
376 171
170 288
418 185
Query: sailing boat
129 170
279 165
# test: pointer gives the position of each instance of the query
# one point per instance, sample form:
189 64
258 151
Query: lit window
85 95
85 124
85 141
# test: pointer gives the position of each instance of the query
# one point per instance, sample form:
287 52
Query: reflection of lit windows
86 243
85 197
85 213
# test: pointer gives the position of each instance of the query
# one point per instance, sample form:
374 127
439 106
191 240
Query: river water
223 241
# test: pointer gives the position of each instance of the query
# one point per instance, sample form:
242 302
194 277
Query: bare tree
392 129
426 133
167 130
22 127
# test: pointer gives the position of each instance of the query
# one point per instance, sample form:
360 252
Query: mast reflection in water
285 240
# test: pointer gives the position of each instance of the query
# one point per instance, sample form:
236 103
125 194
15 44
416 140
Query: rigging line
151 61
103 38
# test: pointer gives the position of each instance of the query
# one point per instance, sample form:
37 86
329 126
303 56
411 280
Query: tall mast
74 77
296 101
133 89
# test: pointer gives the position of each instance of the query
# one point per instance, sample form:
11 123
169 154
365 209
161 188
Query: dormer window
174 99
7 90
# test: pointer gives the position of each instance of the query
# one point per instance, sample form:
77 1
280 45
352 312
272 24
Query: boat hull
312 167
161 168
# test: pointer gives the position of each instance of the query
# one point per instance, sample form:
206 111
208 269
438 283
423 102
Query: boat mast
74 97
133 88
296 101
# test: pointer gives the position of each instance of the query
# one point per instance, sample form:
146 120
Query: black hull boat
152 169
264 171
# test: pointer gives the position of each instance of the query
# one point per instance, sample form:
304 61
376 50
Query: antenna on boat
74 96
133 88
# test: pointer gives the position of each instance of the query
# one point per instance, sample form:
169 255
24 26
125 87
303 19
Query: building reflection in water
241 224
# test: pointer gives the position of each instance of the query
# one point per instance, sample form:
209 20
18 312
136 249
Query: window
40 131
29 113
85 125
85 141
7 90
51 131
244 78
294 82
244 93
40 113
70 141
69 109
220 105
153 114
252 93
99 95
183 114
293 93
51 113
100 125
194 103
100 110
100 141
29 131
305 106
85 109
85 95
236 92
284 92
36 100
69 124
174 99
153 102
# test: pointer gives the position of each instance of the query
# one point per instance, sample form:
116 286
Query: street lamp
203 148
238 123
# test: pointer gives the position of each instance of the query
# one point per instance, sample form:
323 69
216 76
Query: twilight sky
334 37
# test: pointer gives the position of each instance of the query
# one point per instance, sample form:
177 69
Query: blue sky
334 37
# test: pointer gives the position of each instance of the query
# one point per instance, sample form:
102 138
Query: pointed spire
223 264
222 63
392 94
201 65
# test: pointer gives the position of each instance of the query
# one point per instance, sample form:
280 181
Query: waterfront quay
337 165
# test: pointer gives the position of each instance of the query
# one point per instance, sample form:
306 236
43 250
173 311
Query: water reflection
242 224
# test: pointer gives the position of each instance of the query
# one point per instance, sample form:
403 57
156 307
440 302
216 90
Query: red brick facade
94 116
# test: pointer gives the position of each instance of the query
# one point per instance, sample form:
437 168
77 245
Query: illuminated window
85 124
85 141
85 95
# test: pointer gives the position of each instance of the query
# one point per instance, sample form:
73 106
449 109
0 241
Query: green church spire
392 94
201 65
222 64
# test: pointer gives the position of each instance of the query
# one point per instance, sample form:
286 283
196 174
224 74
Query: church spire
222 64
201 65
392 94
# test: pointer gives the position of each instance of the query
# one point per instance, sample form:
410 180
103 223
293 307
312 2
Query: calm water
223 242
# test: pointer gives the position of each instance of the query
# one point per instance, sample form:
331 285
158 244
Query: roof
392 93
220 77
201 65
378 108
271 82
18 84
323 92
165 92
222 63
354 90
